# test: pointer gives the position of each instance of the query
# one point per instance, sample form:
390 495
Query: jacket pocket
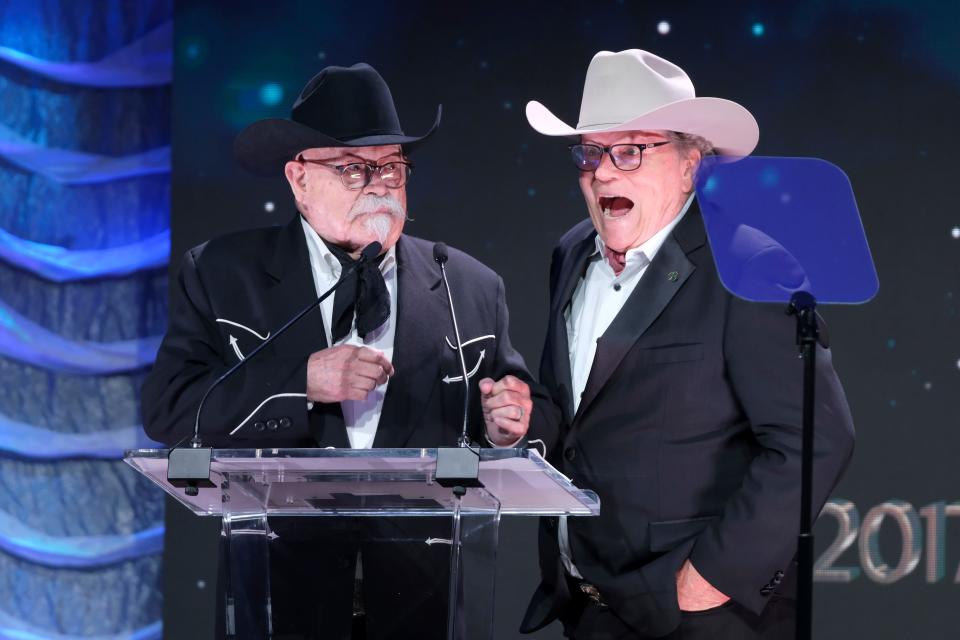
671 353
668 534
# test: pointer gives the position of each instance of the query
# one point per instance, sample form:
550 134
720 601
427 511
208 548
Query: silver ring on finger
520 417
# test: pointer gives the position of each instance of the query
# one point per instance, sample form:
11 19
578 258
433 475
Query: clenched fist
345 372
506 409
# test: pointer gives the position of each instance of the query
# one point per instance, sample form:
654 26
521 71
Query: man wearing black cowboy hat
377 366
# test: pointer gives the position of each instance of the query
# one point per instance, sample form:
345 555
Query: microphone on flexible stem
457 467
440 256
190 466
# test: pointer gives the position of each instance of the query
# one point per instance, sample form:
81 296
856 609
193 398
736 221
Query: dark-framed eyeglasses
626 157
357 175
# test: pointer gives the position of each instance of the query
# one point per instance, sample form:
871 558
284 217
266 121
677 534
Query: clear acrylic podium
368 523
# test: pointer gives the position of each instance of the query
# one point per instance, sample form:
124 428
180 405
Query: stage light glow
663 27
955 232
769 177
757 29
268 206
271 94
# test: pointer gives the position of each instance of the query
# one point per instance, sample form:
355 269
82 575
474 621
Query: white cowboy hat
636 90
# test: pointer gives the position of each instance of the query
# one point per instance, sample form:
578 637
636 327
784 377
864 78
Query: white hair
691 142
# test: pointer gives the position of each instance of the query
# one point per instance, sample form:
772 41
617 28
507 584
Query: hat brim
266 146
731 129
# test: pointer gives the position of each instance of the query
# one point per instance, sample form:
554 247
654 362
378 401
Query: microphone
370 252
440 256
192 465
457 467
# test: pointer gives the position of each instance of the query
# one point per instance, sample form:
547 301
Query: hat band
599 124
369 132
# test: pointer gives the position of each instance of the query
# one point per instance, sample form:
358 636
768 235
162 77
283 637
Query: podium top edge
330 452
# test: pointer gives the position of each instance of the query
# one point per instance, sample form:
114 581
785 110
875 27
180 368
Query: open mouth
615 206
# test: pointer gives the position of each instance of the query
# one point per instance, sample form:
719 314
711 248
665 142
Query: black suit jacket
234 290
689 430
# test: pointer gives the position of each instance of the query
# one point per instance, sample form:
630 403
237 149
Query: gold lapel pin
673 276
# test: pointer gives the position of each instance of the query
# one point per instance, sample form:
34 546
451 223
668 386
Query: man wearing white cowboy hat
376 366
678 403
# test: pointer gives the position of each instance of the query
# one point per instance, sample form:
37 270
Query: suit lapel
293 290
417 345
573 272
659 284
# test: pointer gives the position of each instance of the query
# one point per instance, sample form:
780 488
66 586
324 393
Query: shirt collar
321 256
648 250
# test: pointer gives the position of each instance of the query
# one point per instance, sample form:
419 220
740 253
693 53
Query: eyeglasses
357 175
626 157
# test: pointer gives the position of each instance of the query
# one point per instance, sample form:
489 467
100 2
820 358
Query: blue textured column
72 562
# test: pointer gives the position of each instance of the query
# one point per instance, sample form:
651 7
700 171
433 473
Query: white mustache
370 203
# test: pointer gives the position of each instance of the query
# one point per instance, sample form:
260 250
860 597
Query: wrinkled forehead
624 137
372 154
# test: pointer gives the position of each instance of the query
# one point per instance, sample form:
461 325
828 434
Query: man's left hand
694 593
506 409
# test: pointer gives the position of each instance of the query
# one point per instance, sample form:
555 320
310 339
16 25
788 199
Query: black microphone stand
804 306
457 467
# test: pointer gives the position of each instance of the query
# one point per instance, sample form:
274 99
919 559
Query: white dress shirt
360 416
597 300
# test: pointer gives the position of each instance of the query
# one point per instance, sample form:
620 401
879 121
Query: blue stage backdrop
85 127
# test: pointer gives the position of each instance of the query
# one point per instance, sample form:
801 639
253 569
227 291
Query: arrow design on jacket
245 328
470 374
471 341
236 349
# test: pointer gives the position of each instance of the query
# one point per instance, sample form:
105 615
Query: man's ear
297 178
690 164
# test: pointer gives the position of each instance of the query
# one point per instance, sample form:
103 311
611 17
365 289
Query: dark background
870 86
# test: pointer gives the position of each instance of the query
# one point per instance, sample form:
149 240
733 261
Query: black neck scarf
365 296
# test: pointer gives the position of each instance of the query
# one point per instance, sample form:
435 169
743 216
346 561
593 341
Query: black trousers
588 621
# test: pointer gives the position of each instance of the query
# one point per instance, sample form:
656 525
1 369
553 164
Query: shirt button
259 426
272 425
617 287
569 453
285 423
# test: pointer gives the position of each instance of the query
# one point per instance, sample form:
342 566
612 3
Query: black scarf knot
365 297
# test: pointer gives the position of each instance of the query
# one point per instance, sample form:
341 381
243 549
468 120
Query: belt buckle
593 593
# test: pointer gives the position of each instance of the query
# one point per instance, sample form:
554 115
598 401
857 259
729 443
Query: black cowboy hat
339 107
